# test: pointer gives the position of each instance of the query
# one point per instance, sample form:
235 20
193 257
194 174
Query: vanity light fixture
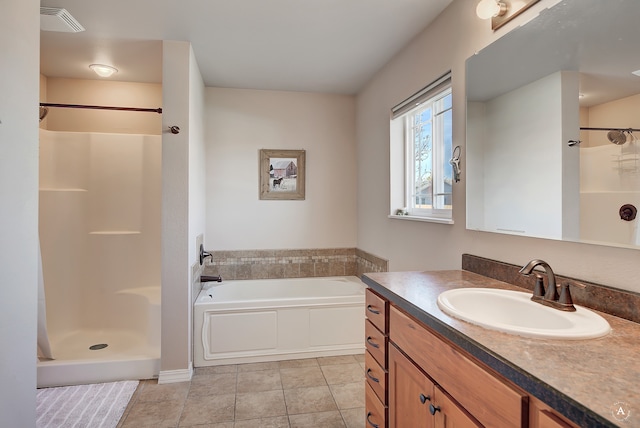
103 70
637 73
489 8
502 11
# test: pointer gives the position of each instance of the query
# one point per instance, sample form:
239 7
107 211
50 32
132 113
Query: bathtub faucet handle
204 254
207 278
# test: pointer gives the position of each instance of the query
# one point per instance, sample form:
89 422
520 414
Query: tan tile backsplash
263 264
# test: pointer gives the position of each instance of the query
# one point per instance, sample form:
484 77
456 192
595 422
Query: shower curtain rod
611 129
150 110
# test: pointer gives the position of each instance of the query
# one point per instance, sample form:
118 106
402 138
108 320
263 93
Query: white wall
183 195
175 209
19 74
455 35
240 122
521 160
197 172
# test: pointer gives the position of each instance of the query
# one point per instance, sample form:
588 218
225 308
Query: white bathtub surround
278 319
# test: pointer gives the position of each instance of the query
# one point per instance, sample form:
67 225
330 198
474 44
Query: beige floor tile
348 395
217 384
359 358
151 391
292 364
309 400
232 368
343 373
340 359
255 405
331 419
220 425
158 414
251 367
277 422
354 418
263 380
302 377
208 410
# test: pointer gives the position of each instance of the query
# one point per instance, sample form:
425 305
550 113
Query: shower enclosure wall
100 203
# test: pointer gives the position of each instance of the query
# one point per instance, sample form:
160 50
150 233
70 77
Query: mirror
532 167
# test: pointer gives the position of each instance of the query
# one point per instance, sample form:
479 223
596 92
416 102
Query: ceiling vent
58 19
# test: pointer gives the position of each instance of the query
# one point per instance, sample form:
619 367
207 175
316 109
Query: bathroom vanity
426 369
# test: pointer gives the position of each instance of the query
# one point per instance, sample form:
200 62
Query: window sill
425 219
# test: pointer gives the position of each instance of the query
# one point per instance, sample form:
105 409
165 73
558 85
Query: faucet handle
565 296
538 290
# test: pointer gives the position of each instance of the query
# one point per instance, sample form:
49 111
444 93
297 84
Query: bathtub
248 321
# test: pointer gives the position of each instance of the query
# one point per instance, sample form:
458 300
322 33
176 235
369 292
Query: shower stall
100 231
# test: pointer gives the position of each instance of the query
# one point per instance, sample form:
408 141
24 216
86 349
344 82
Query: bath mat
99 405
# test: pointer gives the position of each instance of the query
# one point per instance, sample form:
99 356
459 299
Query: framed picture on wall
282 174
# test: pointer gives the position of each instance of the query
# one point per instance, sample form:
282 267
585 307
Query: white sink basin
514 312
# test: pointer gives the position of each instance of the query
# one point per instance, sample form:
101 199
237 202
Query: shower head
43 112
617 137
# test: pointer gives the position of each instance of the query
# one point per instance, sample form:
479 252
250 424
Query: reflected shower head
43 112
617 137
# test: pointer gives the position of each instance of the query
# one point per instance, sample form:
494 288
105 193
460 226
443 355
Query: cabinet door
448 414
410 393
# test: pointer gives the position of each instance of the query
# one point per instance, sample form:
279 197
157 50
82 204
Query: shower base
127 356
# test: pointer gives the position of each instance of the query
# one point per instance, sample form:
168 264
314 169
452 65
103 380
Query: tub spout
207 278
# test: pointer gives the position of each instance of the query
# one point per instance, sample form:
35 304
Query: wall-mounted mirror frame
523 108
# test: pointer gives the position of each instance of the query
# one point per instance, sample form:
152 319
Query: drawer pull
433 409
375 345
375 379
424 398
371 423
373 311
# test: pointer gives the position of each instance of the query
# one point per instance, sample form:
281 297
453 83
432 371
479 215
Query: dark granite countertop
582 379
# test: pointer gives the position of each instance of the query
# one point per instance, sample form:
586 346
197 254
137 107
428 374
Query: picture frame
282 174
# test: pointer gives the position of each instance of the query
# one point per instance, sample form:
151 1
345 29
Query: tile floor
318 392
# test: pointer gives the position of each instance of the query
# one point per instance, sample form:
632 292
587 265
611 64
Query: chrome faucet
550 298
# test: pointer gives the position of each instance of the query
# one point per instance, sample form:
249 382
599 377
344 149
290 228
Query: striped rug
99 405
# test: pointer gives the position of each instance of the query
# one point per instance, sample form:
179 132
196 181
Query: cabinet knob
424 398
371 423
433 409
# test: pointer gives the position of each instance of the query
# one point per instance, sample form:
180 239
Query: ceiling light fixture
490 8
103 70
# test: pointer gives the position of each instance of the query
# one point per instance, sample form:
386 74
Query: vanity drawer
376 310
376 416
376 377
490 400
376 343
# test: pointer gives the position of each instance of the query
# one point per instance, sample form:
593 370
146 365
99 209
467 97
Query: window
421 150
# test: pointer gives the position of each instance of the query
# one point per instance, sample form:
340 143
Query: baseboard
173 376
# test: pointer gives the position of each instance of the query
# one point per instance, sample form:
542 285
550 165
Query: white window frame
402 151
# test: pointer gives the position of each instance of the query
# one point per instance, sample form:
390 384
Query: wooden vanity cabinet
424 381
376 373
415 401
542 416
